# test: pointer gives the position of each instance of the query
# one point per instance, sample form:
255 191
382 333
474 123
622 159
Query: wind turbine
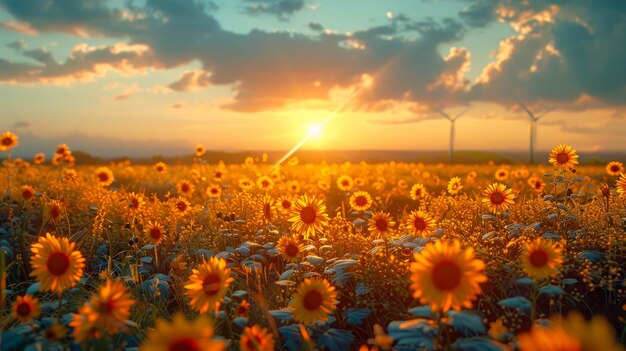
534 119
452 120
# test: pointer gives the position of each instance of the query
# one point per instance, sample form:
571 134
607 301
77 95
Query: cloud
562 52
84 63
21 124
280 8
127 92
192 81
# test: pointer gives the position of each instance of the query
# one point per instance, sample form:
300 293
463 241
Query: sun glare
314 130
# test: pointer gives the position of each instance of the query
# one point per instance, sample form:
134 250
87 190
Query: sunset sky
158 76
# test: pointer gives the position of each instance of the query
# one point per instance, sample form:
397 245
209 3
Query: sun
314 131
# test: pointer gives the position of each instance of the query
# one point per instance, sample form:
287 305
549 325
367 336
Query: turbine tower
534 119
452 120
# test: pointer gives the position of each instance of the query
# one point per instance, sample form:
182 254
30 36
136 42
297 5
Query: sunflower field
351 256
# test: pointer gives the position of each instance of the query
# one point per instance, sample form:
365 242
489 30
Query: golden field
253 256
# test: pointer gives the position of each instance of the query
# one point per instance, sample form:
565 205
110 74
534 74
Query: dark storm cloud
280 8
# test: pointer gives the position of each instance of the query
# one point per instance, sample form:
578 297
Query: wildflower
498 198
25 308
207 285
290 247
308 216
563 156
446 276
421 223
55 263
256 338
454 186
541 258
380 223
182 334
8 141
361 201
314 300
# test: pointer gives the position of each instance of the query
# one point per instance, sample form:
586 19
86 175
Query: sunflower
182 335
208 284
571 333
219 174
421 223
185 188
563 156
471 177
361 201
447 276
308 216
106 312
501 174
454 186
135 202
541 258
200 150
104 176
25 308
181 206
537 184
380 223
345 182
256 338
214 191
8 141
498 198
314 300
290 247
284 204
360 182
417 191
160 167
62 150
55 263
39 158
614 168
266 207
54 209
265 183
27 192
154 233
621 186
245 184
55 332
243 309
293 186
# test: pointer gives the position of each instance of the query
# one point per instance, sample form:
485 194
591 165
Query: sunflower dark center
419 223
312 300
292 250
446 275
614 168
360 200
538 258
211 284
184 344
497 198
308 215
562 157
7 141
286 204
58 263
155 233
382 225
23 309
27 194
103 177
181 206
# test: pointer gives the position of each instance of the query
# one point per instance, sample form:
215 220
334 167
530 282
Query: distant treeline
370 156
